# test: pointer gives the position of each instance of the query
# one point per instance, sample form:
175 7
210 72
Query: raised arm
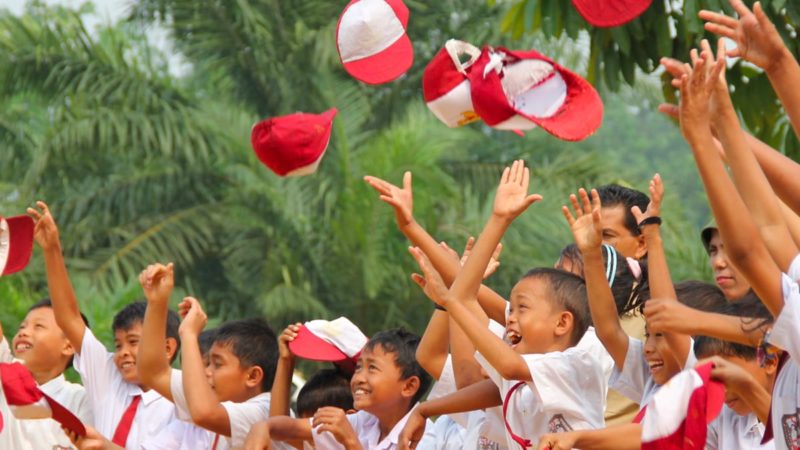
62 295
587 229
157 282
282 384
666 315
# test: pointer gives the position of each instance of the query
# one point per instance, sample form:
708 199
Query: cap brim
610 13
580 115
20 230
385 66
65 417
308 346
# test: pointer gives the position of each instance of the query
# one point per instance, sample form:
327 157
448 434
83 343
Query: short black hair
404 346
612 195
700 295
328 387
46 303
206 340
754 315
568 292
133 314
254 343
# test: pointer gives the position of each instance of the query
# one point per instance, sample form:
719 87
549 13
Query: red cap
551 97
323 340
293 145
446 86
16 243
372 42
21 391
610 13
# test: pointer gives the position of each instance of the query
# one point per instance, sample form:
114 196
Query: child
125 410
386 385
229 395
547 382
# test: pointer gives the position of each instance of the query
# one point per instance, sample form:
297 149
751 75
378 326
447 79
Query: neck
43 376
389 417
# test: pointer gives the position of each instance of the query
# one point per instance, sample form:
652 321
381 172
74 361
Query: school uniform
367 428
242 415
567 392
179 435
784 421
730 431
111 397
47 433
634 380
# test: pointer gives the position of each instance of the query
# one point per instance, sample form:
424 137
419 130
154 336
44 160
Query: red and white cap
323 340
16 243
293 145
372 41
610 13
519 90
445 84
27 401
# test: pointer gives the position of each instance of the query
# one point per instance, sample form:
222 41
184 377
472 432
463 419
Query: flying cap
445 84
27 401
293 145
16 243
323 340
372 41
610 13
519 90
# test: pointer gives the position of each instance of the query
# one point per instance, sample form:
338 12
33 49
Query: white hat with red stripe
16 243
520 90
446 86
372 41
323 340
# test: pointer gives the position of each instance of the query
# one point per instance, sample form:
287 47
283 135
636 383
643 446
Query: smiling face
618 236
378 383
732 283
230 380
662 361
41 343
126 348
533 325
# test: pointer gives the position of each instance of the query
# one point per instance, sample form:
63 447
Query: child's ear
771 367
410 386
641 247
172 347
565 324
68 350
255 375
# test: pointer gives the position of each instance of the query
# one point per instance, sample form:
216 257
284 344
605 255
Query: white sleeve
5 351
96 367
243 416
179 395
493 374
794 269
631 380
691 358
786 330
712 434
446 384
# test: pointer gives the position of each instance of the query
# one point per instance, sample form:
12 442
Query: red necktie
125 423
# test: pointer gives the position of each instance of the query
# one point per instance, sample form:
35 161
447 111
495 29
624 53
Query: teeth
655 364
359 392
23 347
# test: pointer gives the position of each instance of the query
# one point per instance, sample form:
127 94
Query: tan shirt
620 409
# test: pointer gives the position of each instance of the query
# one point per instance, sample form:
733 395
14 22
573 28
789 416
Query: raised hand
585 224
194 318
157 281
412 432
46 231
697 87
402 200
668 316
334 421
494 263
430 281
757 39
512 197
557 441
287 336
734 377
656 196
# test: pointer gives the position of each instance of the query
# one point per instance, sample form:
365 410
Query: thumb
669 110
419 279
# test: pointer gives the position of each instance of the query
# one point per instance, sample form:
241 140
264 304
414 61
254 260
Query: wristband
439 307
655 220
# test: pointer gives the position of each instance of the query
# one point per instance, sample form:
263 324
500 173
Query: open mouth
127 365
513 338
360 392
655 366
22 347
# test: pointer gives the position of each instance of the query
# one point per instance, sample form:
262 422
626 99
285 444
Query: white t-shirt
785 409
730 431
634 380
241 415
110 395
367 428
567 393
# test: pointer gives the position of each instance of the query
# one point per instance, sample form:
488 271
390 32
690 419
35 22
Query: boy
386 385
228 396
125 410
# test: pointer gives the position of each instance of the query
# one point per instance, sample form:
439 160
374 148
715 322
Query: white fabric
534 87
242 416
180 435
730 431
5 244
367 428
591 343
444 434
11 436
634 380
109 395
667 410
341 333
367 28
567 393
455 108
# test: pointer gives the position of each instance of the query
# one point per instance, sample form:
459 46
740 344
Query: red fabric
610 13
440 76
126 422
524 443
216 441
20 230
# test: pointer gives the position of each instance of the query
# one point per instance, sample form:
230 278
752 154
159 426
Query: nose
719 261
649 345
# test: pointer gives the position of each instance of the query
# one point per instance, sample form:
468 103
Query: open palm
512 197
585 224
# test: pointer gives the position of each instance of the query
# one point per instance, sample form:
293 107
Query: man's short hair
404 346
328 387
612 195
133 314
254 343
567 291
47 303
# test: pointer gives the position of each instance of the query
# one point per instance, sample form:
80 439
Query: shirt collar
147 397
53 386
752 425
391 439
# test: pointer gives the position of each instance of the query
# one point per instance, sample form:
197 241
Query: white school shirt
785 408
242 415
730 431
47 433
180 435
634 380
367 428
566 393
110 395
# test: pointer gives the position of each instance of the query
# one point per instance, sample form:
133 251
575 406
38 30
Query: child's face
40 342
126 348
758 373
378 383
663 362
616 235
732 283
532 321
226 375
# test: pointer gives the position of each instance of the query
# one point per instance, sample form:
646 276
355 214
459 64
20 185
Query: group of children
576 357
